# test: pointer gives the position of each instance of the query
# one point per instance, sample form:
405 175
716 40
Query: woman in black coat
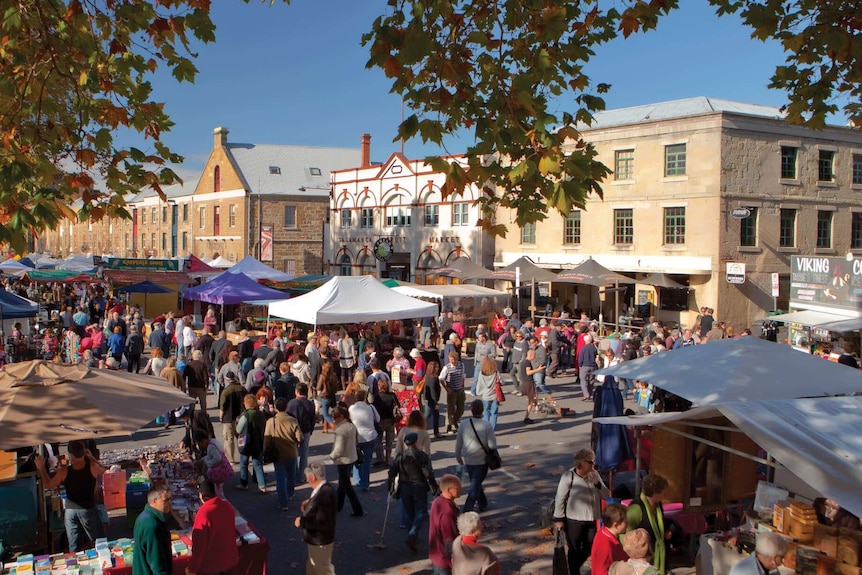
430 396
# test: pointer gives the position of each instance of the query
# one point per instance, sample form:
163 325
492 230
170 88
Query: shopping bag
561 564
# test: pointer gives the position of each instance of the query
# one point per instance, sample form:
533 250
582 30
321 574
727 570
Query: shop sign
735 273
775 289
383 249
142 264
740 213
266 244
831 281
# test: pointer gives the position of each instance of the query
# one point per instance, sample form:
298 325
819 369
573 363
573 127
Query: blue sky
295 74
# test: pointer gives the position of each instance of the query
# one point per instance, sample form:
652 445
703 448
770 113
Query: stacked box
114 489
803 518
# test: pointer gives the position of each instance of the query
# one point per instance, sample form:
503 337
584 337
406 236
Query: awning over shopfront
812 318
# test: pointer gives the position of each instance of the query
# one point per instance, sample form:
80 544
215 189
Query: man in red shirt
606 546
443 528
214 549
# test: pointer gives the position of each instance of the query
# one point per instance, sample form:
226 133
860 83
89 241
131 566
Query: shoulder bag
492 456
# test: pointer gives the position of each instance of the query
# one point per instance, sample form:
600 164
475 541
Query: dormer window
274 171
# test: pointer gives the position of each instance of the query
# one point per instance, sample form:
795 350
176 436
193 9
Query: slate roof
683 108
295 164
187 188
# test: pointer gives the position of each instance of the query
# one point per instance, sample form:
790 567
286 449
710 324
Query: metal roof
683 108
297 167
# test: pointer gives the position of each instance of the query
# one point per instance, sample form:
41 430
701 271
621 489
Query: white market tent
818 439
220 262
350 299
742 369
444 291
257 270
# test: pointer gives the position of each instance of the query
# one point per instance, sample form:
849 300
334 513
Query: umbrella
742 369
529 272
661 280
463 269
146 288
610 442
42 402
592 273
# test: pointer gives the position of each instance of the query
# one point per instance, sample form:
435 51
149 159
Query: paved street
533 456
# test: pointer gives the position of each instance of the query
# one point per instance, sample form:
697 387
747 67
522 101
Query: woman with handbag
475 443
366 419
429 397
345 454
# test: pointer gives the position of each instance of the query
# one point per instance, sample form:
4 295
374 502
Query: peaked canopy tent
351 299
258 270
661 280
221 263
195 265
819 440
77 263
14 267
591 272
230 289
463 269
472 301
527 269
16 307
306 283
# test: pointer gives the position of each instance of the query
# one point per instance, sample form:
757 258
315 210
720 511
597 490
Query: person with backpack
134 349
577 506
250 430
415 475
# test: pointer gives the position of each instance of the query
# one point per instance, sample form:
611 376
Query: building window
624 164
461 214
289 266
748 229
788 162
346 218
572 229
432 215
152 241
857 168
856 231
164 214
624 228
185 212
528 233
185 241
344 265
164 242
674 226
290 216
153 216
366 218
126 241
824 229
216 220
231 216
202 217
397 215
217 179
143 241
787 228
674 160
824 166
143 217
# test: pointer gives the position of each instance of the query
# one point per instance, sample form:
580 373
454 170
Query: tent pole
638 435
533 299
617 306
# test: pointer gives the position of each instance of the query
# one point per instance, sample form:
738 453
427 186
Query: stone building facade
269 201
682 172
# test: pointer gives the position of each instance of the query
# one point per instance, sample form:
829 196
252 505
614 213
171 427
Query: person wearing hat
636 545
412 467
232 366
230 407
214 549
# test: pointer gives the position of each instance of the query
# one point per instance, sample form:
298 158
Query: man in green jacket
152 538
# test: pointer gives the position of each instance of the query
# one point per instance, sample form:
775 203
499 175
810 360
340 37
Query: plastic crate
115 499
136 495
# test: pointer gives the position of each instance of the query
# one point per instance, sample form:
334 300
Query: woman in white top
364 416
346 356
344 455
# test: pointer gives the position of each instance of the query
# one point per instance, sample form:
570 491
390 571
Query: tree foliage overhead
72 73
501 68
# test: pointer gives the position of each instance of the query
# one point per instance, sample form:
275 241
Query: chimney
366 150
220 137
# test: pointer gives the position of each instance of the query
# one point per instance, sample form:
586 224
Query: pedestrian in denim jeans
81 519
486 390
251 424
283 432
475 436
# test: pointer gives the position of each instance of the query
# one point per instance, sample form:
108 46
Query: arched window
398 212
217 179
366 265
344 262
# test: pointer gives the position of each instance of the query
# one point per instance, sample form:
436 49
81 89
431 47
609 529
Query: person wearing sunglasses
577 506
152 536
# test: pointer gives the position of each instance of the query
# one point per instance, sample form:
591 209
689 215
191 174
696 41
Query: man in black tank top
83 525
